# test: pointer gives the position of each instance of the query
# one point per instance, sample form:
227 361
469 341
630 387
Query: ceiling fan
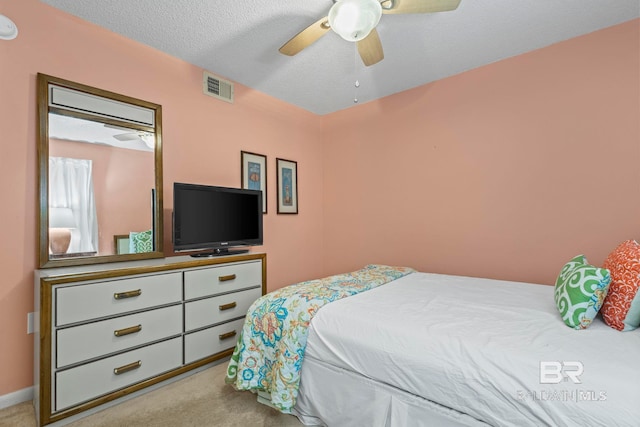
133 135
355 20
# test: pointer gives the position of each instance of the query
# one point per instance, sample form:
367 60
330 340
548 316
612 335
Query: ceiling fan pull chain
355 98
355 73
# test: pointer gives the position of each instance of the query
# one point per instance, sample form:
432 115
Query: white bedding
475 346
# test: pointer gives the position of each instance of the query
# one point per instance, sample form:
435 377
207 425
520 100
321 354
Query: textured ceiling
239 40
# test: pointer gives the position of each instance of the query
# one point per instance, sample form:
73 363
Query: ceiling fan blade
306 37
418 6
370 49
130 136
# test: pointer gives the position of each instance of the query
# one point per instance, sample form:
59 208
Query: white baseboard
16 397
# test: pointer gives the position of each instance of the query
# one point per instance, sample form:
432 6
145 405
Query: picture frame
121 244
287 184
254 174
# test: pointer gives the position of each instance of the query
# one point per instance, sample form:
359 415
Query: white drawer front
224 278
93 300
207 342
89 381
96 339
218 309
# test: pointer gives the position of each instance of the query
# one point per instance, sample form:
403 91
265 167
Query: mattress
496 351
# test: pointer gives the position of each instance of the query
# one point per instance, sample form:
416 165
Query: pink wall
202 140
122 183
505 171
468 175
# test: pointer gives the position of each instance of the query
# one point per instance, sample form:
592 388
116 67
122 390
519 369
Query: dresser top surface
177 262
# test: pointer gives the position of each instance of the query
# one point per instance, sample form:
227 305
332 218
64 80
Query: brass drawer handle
226 278
128 294
227 335
228 306
127 331
127 368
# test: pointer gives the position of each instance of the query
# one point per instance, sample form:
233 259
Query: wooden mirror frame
44 260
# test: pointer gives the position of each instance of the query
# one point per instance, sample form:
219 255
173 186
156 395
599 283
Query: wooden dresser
106 331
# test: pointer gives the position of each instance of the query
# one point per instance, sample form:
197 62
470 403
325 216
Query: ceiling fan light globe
148 140
353 20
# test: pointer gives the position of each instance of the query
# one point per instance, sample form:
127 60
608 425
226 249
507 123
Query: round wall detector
8 30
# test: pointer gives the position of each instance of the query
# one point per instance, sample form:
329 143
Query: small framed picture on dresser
287 183
254 174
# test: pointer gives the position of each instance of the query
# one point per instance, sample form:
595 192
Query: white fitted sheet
360 401
475 346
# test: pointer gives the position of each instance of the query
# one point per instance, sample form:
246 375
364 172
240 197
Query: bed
439 350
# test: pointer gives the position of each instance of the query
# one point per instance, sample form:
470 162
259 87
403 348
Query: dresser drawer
89 381
223 278
100 299
218 309
92 340
207 342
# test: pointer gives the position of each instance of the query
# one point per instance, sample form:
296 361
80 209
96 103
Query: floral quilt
271 346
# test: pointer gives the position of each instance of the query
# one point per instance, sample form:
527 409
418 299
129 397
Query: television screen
215 218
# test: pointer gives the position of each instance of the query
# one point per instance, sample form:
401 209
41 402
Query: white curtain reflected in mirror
72 206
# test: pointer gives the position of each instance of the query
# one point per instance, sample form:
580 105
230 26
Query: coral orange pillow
621 308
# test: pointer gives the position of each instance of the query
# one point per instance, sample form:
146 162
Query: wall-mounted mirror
100 175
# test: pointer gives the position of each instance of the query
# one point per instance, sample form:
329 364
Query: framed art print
121 243
287 183
254 174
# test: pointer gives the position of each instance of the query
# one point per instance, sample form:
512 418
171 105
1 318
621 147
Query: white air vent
218 88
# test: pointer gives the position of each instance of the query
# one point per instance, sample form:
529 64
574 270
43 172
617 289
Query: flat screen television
217 220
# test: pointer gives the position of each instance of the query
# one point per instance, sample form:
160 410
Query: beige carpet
203 399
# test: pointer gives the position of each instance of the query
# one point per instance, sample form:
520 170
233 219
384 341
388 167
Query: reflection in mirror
100 175
95 167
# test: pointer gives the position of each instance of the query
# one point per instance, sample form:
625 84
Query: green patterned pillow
140 242
580 291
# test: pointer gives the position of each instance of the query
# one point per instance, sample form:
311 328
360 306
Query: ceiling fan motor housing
353 20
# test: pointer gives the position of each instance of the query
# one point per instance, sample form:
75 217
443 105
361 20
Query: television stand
220 252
